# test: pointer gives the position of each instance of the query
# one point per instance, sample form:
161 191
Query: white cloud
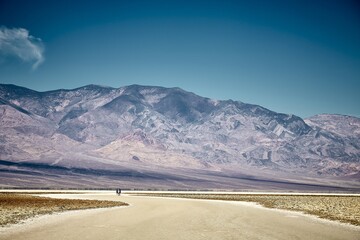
17 42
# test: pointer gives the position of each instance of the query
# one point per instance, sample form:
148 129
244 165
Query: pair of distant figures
118 191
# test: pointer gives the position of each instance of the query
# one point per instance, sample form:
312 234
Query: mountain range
155 137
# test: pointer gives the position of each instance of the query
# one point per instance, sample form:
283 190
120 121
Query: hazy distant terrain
155 137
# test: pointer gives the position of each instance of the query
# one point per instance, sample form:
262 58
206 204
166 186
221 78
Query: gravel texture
15 208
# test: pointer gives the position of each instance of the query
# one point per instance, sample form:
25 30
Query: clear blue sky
300 57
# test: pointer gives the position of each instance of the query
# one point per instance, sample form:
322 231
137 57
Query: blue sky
299 57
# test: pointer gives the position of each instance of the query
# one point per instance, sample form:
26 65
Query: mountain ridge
158 128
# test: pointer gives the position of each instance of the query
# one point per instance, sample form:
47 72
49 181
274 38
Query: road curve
158 218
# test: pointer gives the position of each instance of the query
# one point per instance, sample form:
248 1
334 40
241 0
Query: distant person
118 191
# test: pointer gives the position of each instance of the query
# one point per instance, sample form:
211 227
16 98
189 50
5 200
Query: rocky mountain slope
169 135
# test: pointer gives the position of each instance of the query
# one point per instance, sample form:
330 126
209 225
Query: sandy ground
343 208
163 218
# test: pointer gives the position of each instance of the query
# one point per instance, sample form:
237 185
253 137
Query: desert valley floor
174 218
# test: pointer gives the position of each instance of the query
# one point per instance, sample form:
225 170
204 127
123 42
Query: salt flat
164 218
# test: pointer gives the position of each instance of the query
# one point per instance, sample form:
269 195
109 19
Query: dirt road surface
159 218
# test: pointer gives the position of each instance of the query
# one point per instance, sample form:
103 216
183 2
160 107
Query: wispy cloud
19 43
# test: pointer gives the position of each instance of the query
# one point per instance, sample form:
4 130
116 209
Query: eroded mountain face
156 127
